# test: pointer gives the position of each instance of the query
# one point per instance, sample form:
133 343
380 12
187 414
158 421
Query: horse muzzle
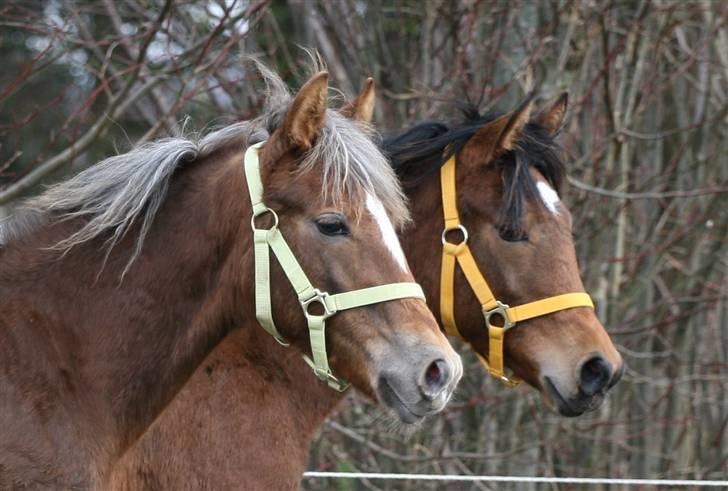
595 378
417 390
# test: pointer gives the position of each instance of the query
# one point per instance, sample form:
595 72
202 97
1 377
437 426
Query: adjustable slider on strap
321 298
501 310
496 336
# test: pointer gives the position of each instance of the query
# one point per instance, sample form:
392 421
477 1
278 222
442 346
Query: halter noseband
307 295
491 306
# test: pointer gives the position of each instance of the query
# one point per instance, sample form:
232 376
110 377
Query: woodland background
648 145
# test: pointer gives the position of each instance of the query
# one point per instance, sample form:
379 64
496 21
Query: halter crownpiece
510 316
271 238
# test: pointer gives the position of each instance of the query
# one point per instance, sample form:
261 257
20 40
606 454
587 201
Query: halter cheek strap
272 239
509 316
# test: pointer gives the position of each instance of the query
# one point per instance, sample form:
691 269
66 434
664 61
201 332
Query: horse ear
499 136
362 107
306 116
552 118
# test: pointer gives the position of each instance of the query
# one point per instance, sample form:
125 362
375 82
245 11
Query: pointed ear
362 108
552 118
306 116
500 135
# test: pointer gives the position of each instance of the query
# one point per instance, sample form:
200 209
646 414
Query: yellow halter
491 306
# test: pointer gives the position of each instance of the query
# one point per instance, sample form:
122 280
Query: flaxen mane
128 189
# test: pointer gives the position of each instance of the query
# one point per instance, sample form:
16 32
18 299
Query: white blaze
548 196
389 236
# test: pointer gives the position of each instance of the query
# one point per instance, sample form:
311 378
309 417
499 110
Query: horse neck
249 385
127 347
195 287
281 390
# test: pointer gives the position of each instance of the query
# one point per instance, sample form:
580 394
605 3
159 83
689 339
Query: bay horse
116 284
509 168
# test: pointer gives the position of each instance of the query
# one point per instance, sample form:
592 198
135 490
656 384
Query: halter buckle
261 213
318 297
509 382
501 310
331 380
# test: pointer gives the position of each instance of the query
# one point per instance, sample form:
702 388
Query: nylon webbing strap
252 177
263 308
447 184
344 301
320 362
376 294
299 281
272 238
460 253
549 306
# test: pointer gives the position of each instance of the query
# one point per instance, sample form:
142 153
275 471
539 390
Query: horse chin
569 407
390 398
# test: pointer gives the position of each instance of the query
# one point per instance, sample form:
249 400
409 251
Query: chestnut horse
116 284
213 435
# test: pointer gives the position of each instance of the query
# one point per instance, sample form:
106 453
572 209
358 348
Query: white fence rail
514 479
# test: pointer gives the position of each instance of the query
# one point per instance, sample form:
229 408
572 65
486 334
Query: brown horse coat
214 437
136 268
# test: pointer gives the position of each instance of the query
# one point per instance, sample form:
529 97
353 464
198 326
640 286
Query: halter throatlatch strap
508 316
272 239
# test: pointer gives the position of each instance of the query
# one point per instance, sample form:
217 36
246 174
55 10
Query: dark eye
511 235
332 224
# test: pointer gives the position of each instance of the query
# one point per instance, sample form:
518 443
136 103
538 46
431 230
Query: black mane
422 149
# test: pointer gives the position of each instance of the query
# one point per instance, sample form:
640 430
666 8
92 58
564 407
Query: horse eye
332 224
510 235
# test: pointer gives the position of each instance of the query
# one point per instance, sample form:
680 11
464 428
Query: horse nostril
436 378
616 377
594 376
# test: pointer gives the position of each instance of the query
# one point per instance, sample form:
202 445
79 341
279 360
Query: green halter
307 294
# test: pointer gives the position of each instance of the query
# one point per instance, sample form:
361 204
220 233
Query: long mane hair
422 149
127 189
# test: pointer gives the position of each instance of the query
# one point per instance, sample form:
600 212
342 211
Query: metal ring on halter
462 229
267 210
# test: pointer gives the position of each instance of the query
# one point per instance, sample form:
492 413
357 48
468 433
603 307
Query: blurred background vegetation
646 135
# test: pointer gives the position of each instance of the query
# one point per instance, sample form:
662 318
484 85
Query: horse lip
571 408
390 397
